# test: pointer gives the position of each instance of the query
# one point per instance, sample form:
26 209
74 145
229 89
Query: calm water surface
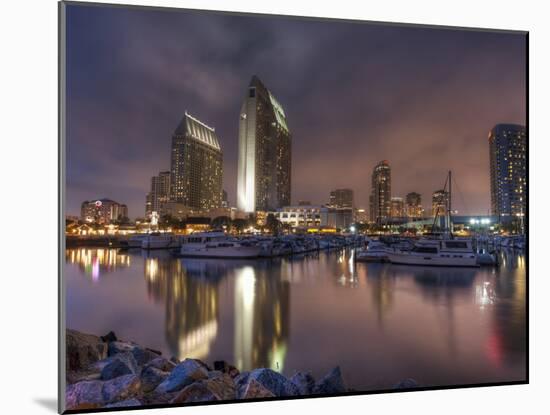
380 322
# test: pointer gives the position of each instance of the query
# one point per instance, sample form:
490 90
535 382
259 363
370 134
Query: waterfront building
196 165
225 202
507 164
302 215
413 205
339 218
361 215
103 211
264 164
397 209
380 198
341 198
440 202
159 193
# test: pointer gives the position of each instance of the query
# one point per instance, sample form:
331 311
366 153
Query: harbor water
381 323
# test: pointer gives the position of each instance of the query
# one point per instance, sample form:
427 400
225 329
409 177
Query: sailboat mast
449 208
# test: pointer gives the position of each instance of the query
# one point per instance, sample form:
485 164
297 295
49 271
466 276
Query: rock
175 360
408 383
195 392
253 389
332 383
162 364
124 404
119 365
120 388
222 386
157 352
84 395
141 355
304 382
96 393
151 377
83 350
225 367
276 383
109 337
183 374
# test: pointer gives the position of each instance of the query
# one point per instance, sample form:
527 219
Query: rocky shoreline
105 372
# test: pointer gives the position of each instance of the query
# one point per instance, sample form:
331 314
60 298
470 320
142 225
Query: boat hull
222 252
433 260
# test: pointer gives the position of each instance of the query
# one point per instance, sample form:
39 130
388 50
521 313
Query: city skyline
388 100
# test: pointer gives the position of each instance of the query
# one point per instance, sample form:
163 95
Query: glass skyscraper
380 198
264 167
196 165
507 162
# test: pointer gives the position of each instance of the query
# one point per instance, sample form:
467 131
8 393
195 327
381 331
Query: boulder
162 364
151 377
304 382
119 365
141 355
109 337
97 393
273 381
253 389
123 387
124 404
83 350
222 386
332 383
84 395
195 392
182 375
408 383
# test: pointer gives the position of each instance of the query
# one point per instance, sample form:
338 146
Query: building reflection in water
262 318
381 283
189 291
97 261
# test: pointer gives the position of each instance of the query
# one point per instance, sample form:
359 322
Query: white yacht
375 251
158 240
434 252
217 245
134 241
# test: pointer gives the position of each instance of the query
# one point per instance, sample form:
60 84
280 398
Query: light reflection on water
380 322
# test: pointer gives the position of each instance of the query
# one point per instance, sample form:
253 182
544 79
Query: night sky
354 94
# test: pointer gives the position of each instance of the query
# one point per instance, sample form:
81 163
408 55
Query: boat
135 241
158 240
433 252
443 250
375 251
217 245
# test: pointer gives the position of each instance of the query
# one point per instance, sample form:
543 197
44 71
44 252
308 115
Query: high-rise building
380 198
225 202
440 201
397 209
159 194
264 167
507 163
102 211
341 198
413 205
196 165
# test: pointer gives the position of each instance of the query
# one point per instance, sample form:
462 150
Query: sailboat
442 250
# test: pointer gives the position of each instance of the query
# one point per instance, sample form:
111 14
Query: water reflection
95 262
439 325
262 317
191 304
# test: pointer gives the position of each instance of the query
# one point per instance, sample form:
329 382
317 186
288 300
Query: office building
103 211
341 198
413 205
380 198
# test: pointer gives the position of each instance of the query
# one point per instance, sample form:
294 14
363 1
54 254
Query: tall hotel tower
380 198
263 175
507 163
196 165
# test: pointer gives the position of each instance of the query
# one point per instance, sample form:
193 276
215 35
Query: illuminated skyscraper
264 168
507 163
397 209
380 198
196 165
159 194
341 198
413 205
